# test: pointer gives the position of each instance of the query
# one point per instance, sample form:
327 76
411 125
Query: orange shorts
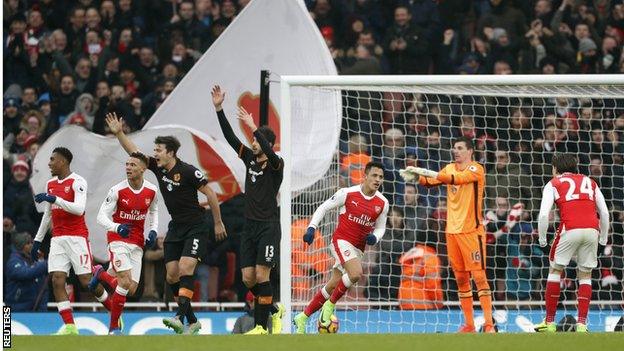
466 251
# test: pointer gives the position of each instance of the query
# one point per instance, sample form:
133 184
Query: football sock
317 302
584 297
264 303
119 299
553 289
65 311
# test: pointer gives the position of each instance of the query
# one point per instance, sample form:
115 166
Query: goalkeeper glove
371 240
39 198
34 252
151 239
308 237
411 173
123 230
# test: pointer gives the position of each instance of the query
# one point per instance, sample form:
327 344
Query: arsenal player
579 201
65 200
362 221
128 205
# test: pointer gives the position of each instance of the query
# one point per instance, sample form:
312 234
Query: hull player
127 207
260 241
188 237
579 201
362 221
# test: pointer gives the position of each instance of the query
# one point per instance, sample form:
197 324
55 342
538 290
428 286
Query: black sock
263 304
175 288
274 309
187 284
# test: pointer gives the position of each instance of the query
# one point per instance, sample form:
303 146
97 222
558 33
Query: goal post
517 123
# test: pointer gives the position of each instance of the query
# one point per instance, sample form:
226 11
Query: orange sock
465 296
485 295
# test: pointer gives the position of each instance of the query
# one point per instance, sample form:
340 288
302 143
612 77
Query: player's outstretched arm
548 199
603 211
267 148
213 201
115 124
218 96
425 177
470 175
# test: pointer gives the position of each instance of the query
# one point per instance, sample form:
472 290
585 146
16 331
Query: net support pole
285 205
264 97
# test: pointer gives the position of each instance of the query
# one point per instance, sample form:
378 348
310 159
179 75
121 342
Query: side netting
408 285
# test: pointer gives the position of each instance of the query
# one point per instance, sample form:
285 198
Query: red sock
317 302
119 299
65 311
583 297
338 292
553 289
108 279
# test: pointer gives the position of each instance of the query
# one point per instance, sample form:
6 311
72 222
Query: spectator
26 286
421 281
406 46
385 277
393 158
154 272
352 165
18 199
246 322
524 262
415 212
503 16
84 113
507 179
12 117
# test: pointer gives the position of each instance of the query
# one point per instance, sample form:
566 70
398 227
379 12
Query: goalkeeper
465 234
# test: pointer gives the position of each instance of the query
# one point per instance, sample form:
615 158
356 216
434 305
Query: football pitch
358 342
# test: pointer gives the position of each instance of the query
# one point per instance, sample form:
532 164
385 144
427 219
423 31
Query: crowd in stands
70 62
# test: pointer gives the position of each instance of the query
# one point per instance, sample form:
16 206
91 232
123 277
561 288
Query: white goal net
517 124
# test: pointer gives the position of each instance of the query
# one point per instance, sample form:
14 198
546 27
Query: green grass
339 342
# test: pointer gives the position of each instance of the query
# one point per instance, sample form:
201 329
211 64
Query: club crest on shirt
347 253
454 188
147 202
117 263
176 177
377 209
67 188
473 168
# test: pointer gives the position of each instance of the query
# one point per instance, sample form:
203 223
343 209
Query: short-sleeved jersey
68 189
574 196
125 205
179 189
262 182
358 214
464 201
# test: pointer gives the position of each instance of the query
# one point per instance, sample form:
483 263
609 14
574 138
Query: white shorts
69 251
124 256
582 243
344 251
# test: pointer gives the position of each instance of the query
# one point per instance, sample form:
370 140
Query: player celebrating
65 201
362 221
261 239
187 239
465 234
577 198
128 205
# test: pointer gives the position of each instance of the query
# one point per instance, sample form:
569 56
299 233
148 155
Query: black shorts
260 243
188 240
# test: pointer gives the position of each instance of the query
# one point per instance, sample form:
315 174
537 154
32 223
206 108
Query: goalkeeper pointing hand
465 234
